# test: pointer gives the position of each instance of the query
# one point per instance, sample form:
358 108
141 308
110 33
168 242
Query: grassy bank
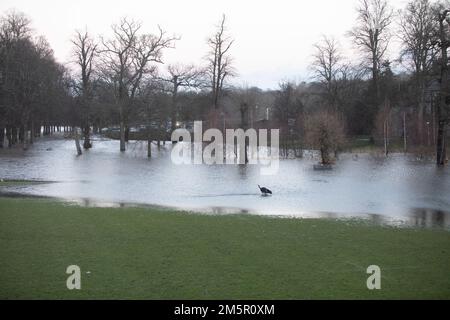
155 254
12 183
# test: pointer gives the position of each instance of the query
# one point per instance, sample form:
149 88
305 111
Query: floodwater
399 189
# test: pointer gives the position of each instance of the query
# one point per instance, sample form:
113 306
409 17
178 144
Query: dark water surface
398 189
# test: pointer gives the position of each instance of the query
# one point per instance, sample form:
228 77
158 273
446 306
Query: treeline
35 89
121 81
410 105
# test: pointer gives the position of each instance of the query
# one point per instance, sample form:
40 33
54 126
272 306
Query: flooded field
399 189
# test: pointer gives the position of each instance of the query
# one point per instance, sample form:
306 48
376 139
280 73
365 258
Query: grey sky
273 39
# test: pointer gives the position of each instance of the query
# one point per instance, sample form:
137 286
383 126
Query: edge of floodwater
354 219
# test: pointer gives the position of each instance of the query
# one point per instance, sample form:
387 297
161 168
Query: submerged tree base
323 166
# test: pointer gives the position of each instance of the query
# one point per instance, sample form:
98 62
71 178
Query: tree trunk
213 118
9 136
2 136
25 138
174 106
21 133
246 146
324 155
440 145
87 141
404 132
77 141
375 77
149 142
32 132
386 137
37 132
420 124
122 136
127 133
13 135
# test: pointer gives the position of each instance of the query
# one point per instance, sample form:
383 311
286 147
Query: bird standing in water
264 190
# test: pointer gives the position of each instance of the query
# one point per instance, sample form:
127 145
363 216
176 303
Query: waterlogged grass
13 183
156 254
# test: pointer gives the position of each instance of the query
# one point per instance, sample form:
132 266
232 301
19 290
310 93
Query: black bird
264 190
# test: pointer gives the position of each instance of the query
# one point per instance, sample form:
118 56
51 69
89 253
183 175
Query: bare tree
325 131
219 62
154 106
288 112
127 58
327 65
187 76
84 50
14 25
371 34
417 32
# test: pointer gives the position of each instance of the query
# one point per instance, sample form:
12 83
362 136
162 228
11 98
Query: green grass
12 183
156 254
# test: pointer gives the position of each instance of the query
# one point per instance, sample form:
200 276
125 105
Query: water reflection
429 218
418 217
374 187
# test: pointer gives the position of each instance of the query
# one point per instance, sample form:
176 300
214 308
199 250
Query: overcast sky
273 39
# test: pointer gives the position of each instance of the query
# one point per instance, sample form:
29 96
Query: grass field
144 253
